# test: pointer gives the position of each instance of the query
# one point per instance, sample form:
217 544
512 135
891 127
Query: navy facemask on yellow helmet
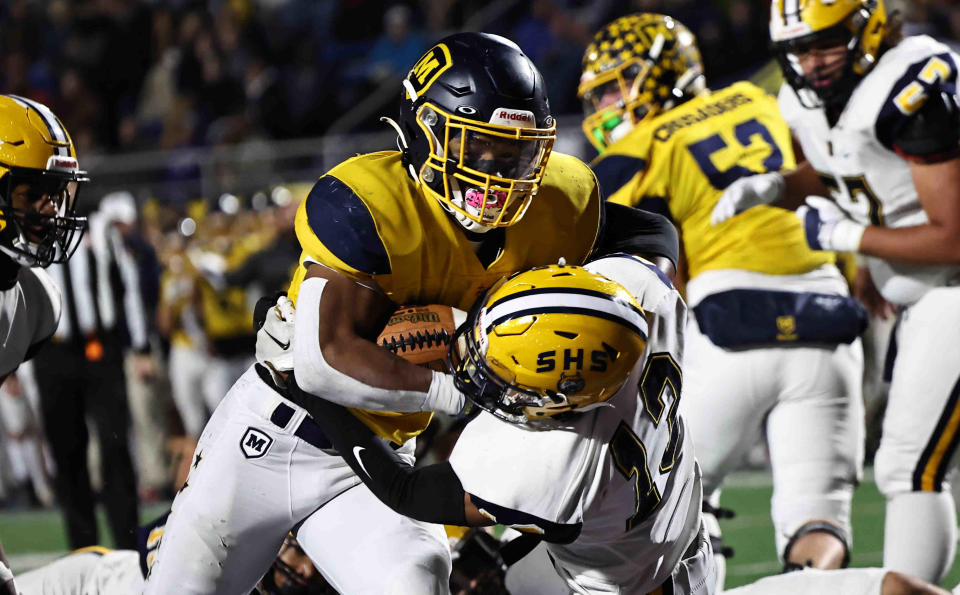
798 25
475 128
548 341
39 180
638 66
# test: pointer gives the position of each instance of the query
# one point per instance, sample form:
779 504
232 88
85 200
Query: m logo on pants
255 443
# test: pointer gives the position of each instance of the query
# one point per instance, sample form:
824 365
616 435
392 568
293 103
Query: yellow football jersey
366 218
679 163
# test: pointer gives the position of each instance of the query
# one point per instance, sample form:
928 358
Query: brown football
420 334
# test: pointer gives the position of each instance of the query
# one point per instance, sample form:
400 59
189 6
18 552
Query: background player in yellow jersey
473 194
773 341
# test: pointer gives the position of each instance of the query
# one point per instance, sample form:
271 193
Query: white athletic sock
920 535
713 530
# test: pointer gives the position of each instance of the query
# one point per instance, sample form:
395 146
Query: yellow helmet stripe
575 301
57 132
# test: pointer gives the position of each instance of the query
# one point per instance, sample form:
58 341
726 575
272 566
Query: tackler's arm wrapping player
876 116
766 308
576 380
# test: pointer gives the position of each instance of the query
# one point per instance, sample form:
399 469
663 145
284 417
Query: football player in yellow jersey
474 193
773 341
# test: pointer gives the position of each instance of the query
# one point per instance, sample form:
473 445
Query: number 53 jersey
620 480
679 163
857 157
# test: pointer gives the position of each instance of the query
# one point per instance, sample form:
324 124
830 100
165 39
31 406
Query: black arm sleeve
933 132
634 231
432 494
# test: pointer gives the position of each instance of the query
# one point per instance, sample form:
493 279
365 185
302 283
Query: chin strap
404 147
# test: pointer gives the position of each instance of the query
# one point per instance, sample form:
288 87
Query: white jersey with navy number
624 472
29 312
856 158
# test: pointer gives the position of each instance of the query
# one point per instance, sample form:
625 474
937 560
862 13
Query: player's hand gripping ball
421 334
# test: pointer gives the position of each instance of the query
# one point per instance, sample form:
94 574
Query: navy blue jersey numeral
745 133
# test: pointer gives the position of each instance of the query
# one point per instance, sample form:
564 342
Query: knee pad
815 527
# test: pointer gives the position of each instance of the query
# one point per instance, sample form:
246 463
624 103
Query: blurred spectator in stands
355 20
267 108
15 79
21 28
159 89
554 40
23 441
79 109
269 270
179 321
396 48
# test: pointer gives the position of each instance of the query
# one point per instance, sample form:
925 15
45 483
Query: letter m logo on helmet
426 70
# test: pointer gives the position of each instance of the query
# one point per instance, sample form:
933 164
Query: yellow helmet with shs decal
39 180
636 67
796 26
548 341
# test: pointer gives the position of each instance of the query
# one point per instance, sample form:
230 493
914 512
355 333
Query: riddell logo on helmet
61 163
513 117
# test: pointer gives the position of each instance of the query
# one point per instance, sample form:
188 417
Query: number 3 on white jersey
659 387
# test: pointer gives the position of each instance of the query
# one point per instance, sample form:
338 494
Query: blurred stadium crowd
132 76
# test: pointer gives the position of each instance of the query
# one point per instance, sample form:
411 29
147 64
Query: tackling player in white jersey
39 179
877 119
580 443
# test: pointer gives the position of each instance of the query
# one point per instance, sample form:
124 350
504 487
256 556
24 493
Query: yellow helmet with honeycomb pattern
636 67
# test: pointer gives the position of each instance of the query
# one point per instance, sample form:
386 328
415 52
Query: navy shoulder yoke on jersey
340 219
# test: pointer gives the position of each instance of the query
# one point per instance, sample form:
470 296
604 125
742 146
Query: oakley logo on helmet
513 117
427 69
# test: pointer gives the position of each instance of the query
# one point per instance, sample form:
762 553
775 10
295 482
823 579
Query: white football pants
253 481
921 431
809 401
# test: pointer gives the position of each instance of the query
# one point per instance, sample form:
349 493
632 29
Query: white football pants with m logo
252 482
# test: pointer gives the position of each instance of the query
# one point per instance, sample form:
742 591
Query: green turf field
751 533
32 538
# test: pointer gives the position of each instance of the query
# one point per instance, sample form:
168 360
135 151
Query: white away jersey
29 313
856 160
90 571
626 471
